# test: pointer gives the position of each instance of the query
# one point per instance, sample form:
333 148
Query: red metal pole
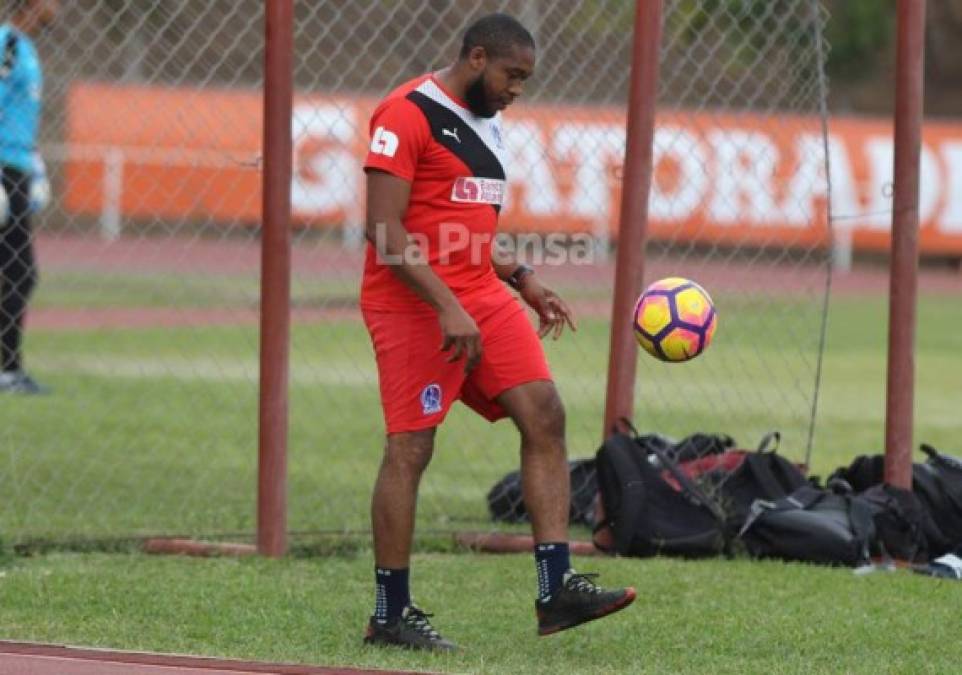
632 225
903 275
633 220
275 278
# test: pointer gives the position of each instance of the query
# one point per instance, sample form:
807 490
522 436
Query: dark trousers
18 271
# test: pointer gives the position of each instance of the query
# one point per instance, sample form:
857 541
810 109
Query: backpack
644 514
938 485
736 478
811 525
694 447
903 526
506 502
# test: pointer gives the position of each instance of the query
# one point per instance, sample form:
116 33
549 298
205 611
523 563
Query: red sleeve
399 134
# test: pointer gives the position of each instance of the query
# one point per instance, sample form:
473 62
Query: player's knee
409 452
547 425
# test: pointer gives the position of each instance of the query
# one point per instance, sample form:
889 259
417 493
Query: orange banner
179 153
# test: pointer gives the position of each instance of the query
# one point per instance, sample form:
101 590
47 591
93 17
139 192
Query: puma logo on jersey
384 142
452 134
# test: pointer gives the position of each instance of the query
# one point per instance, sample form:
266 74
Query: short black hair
497 33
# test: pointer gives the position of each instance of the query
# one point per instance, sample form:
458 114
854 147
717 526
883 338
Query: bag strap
757 463
625 427
684 481
769 442
802 499
9 55
687 484
938 458
948 487
863 525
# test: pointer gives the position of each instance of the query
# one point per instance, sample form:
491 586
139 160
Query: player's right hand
461 336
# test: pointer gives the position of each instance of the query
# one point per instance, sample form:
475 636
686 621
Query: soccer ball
674 319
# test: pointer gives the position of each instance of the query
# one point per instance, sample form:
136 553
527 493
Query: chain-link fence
144 324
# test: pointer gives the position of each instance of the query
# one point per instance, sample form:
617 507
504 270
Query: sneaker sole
386 642
628 598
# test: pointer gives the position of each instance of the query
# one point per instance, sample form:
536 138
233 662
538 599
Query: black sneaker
411 630
18 382
577 601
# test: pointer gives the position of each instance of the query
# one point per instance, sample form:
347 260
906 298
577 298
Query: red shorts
418 385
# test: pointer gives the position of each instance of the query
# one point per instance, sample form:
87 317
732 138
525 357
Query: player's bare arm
553 312
387 200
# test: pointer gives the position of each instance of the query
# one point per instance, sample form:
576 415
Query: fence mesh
144 324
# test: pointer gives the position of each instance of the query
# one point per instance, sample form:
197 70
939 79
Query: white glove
39 185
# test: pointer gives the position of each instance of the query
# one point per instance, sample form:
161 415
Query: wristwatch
520 272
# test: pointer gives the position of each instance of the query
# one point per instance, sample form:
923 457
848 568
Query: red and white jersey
454 161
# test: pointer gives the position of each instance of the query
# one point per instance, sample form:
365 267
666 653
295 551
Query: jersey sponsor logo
384 142
431 399
478 190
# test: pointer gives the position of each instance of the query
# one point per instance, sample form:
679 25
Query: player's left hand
553 312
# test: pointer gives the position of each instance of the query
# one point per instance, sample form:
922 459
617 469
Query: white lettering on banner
477 190
725 176
808 184
880 152
951 220
677 200
529 166
930 193
745 164
594 149
325 166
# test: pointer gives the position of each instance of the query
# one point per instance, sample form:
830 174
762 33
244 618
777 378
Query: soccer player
21 83
444 327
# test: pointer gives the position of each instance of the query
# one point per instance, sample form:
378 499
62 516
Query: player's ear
478 57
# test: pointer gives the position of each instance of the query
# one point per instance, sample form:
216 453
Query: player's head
499 51
33 15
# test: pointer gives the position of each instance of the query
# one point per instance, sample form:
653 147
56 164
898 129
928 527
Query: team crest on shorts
431 399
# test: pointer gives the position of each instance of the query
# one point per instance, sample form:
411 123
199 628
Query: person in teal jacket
21 89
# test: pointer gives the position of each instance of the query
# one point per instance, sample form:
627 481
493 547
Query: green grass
690 617
154 431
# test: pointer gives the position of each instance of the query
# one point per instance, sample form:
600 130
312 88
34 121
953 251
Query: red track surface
24 658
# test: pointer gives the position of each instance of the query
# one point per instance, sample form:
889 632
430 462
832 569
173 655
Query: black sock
552 561
392 594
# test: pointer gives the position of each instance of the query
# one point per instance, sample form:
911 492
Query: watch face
518 276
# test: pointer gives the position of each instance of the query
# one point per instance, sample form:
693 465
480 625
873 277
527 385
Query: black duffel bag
811 525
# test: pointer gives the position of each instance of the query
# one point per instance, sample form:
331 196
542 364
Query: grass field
154 431
691 617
